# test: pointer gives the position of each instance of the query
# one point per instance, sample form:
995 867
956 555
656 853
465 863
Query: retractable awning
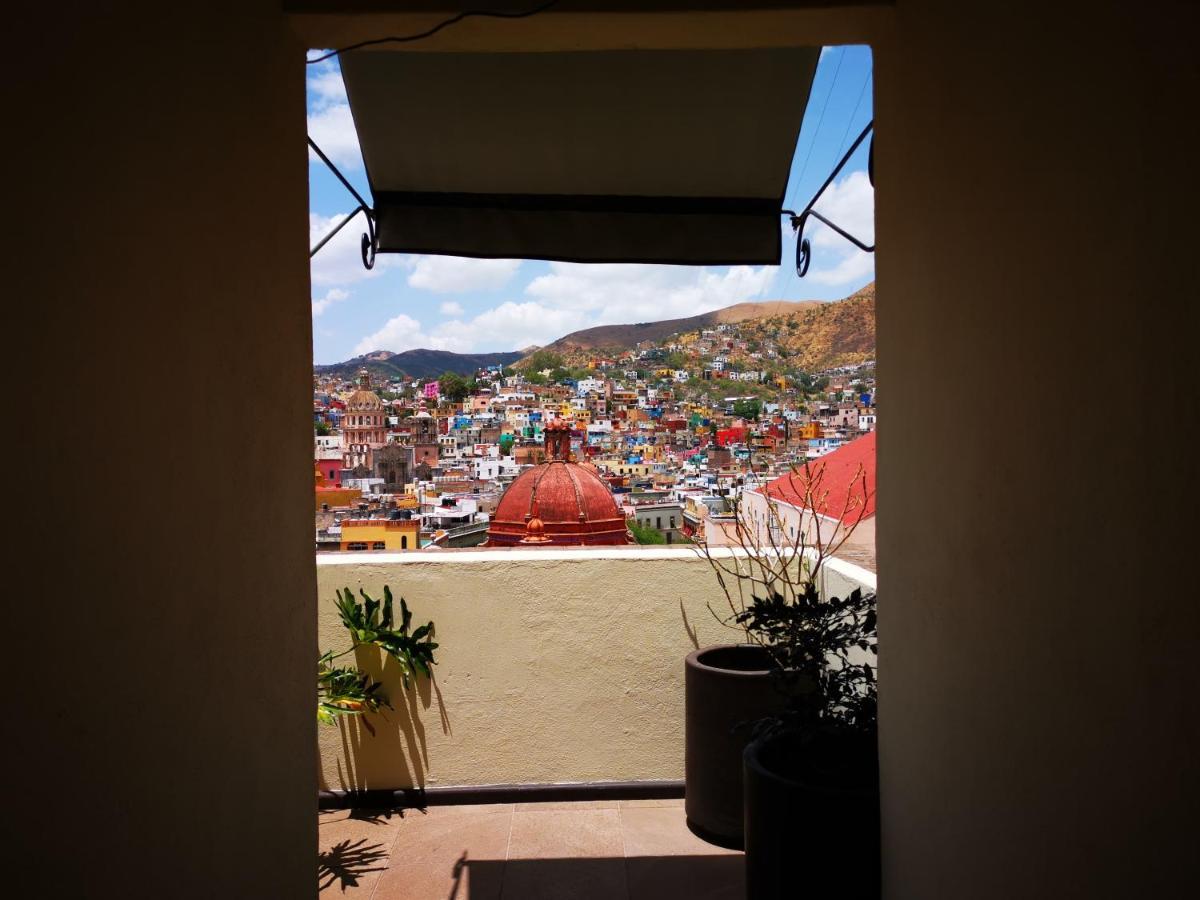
657 156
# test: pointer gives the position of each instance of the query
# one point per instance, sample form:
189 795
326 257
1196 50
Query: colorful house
381 534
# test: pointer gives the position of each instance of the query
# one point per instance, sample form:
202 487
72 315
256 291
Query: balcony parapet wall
554 665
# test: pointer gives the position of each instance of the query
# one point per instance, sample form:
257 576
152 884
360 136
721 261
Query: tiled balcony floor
609 850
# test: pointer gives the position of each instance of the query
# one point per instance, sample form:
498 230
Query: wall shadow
600 878
689 627
388 750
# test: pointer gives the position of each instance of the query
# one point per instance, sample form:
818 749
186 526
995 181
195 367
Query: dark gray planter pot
809 835
725 686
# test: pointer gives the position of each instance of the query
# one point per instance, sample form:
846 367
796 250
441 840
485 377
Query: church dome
364 399
559 502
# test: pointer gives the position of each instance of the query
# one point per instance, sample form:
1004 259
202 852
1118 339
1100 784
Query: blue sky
470 305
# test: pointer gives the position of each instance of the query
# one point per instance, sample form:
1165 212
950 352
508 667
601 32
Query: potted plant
726 688
810 773
344 690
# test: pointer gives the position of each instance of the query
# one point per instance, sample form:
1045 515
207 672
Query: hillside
827 335
624 337
810 335
417 363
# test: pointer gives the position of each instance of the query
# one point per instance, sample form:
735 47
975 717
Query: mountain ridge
602 337
814 334
418 363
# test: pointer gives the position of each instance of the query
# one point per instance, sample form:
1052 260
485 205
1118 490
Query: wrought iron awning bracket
803 247
370 242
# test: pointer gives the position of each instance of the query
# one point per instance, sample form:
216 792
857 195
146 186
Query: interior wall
161 634
1035 219
1036 224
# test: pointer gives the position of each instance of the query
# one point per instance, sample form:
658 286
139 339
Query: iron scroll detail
803 245
370 240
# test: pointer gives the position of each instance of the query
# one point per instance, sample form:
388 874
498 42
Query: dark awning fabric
663 156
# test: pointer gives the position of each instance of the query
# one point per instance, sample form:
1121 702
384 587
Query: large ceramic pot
812 819
726 686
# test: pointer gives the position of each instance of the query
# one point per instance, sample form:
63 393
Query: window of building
356 545
379 545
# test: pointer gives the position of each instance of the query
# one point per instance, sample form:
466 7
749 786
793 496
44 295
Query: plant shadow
388 749
347 861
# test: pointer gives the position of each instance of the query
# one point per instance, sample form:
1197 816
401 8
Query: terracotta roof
569 502
838 477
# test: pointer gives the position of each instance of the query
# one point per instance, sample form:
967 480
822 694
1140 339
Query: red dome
573 505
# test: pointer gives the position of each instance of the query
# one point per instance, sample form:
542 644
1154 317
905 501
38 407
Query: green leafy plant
644 534
371 622
345 691
811 640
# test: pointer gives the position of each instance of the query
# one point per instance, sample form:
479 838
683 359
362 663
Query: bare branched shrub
772 584
766 560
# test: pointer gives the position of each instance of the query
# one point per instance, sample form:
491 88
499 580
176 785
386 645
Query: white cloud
325 86
398 334
857 267
457 274
450 308
330 124
332 129
850 202
510 326
340 261
332 296
624 293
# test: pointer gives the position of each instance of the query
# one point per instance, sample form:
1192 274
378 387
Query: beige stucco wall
554 665
1035 211
156 307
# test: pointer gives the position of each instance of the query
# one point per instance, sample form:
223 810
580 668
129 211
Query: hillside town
659 442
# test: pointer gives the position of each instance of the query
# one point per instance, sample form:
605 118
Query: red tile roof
837 479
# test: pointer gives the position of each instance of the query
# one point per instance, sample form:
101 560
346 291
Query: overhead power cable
862 93
430 32
821 118
794 187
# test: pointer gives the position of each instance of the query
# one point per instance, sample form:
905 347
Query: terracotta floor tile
580 878
663 831
458 810
453 852
567 804
686 877
544 851
353 851
652 804
554 834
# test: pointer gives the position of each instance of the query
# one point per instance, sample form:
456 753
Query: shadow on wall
379 749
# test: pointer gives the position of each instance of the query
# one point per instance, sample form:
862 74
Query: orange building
809 431
381 534
332 496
